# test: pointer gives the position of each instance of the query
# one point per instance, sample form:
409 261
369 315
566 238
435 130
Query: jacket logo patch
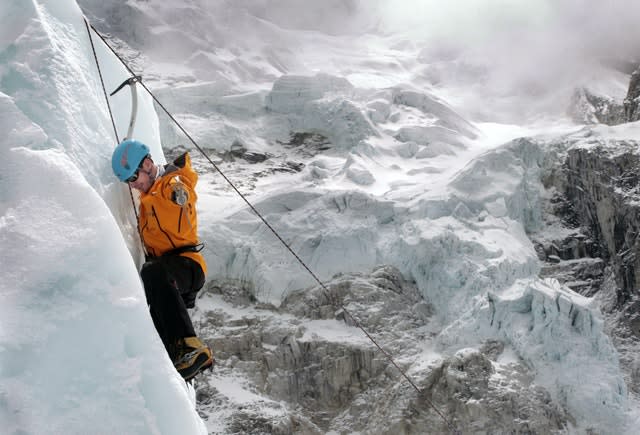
180 196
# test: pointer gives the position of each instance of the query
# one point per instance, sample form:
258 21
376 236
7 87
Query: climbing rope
113 123
275 233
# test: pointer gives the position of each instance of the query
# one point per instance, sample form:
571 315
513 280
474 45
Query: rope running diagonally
113 123
302 263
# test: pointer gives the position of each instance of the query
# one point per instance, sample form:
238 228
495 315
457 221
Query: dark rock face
316 375
239 151
313 372
504 395
631 102
595 193
588 108
602 186
573 256
593 217
307 144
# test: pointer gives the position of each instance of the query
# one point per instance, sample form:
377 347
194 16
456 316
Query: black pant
171 284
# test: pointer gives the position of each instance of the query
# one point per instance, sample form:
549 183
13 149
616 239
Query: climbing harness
137 79
183 249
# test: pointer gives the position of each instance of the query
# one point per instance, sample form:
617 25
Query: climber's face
144 177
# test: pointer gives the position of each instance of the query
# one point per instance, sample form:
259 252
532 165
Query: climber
175 269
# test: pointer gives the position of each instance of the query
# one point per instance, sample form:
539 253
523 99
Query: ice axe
131 81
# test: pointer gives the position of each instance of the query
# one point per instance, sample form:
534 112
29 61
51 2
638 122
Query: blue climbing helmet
127 158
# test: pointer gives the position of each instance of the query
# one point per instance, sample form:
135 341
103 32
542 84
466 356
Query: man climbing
174 270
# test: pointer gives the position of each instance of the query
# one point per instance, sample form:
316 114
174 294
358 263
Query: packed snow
78 349
426 169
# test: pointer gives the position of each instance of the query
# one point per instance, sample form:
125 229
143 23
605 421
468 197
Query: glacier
409 181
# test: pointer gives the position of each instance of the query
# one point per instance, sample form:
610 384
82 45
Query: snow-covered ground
406 154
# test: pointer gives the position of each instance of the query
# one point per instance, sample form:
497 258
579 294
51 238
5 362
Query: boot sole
201 363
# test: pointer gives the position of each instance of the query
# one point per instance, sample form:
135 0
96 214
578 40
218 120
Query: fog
497 51
486 55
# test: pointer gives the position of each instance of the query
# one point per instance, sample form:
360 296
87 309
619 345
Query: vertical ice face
78 351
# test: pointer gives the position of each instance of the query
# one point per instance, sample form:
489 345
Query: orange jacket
168 217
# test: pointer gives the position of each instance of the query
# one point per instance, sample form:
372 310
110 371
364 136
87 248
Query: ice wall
78 350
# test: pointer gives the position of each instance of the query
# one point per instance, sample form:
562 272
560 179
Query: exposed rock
309 370
320 375
582 275
239 151
467 393
482 395
603 183
260 417
308 144
588 108
594 213
572 255
632 100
